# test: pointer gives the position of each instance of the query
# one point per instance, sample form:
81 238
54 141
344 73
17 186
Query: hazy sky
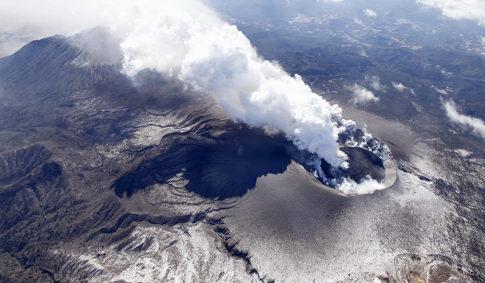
22 21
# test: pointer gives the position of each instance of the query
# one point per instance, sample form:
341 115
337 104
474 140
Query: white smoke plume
367 186
188 41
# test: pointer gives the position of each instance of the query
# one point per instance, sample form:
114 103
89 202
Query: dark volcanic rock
70 129
363 163
222 168
17 164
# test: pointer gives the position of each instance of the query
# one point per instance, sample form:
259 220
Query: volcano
105 177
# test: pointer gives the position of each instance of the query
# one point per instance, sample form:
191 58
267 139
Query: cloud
361 95
402 88
370 13
375 83
188 41
459 9
476 125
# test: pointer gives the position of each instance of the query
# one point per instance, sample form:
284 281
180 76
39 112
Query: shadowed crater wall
219 168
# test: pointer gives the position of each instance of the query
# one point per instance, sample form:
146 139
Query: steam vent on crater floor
242 141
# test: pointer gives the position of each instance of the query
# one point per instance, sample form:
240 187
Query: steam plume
215 57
